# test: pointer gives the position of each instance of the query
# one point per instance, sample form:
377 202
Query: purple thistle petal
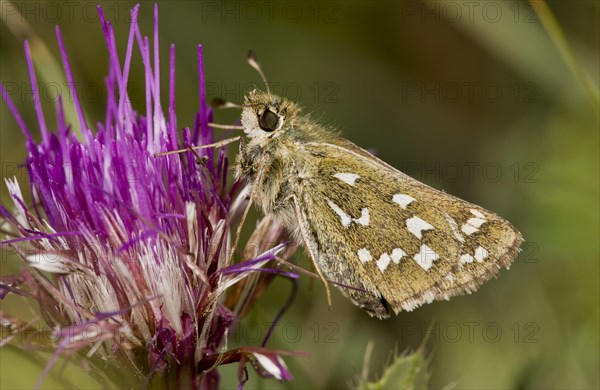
63 129
4 213
254 264
202 95
204 136
112 49
63 344
63 53
36 94
15 114
148 80
10 284
172 117
39 237
157 118
123 97
134 241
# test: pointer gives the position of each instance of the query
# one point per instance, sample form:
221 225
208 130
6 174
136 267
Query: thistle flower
127 254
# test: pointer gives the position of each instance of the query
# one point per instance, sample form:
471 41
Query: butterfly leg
310 249
252 196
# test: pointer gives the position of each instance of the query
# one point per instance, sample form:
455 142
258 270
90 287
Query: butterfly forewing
395 241
490 243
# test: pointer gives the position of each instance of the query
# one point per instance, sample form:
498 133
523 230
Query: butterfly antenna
256 65
192 148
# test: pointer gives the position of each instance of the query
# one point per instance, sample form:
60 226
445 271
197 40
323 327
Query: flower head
126 253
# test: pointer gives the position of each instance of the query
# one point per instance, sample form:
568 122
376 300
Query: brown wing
395 241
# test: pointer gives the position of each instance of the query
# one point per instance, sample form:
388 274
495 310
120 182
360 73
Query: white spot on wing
426 257
477 213
383 262
466 258
416 225
481 254
403 200
348 178
364 255
473 224
476 222
397 254
346 220
454 227
468 229
364 217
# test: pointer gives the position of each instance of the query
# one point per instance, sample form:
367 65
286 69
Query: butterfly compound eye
268 121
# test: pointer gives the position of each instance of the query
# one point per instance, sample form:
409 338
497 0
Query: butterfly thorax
267 169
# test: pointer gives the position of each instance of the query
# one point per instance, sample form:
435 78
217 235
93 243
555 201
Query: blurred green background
470 97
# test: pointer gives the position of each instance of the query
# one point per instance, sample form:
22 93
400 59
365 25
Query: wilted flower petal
274 365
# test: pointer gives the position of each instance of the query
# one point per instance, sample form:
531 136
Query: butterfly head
265 115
